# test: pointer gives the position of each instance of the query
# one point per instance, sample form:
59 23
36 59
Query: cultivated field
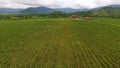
60 43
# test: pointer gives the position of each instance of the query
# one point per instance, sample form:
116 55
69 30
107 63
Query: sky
56 3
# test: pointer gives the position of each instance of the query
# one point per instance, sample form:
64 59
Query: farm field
60 43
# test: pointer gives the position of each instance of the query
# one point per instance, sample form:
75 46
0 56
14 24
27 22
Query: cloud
56 3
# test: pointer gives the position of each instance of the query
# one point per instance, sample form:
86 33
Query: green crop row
60 43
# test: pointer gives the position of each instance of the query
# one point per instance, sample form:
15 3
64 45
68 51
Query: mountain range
69 10
43 9
49 10
40 9
10 10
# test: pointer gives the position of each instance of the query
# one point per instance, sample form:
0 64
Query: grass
60 43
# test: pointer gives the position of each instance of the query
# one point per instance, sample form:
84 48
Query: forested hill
107 11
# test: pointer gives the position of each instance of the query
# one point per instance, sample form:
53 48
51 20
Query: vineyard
60 43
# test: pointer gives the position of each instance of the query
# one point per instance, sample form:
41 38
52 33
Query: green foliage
33 16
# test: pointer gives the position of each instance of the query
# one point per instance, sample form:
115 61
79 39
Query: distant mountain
114 6
70 9
99 10
9 10
38 10
106 11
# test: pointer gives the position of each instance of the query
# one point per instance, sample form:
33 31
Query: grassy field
60 43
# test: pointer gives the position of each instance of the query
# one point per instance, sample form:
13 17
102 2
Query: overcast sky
56 3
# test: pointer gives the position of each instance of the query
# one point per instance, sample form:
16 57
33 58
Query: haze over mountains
10 10
40 9
43 9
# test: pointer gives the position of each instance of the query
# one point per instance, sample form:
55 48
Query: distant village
79 17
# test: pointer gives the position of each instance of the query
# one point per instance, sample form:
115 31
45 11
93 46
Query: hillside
115 6
107 11
49 10
38 10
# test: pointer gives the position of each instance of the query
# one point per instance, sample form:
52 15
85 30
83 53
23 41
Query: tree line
56 15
